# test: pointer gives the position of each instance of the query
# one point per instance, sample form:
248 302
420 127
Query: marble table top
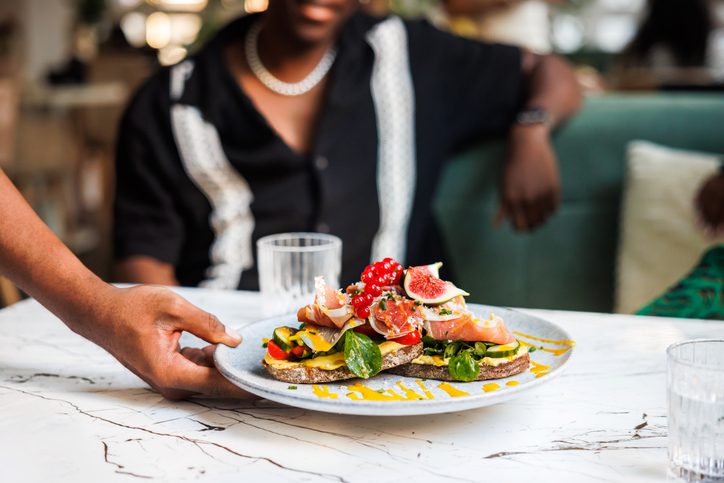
70 412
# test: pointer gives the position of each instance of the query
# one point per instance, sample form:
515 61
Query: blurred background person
678 45
316 117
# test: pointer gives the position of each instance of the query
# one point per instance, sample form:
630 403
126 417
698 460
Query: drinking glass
288 264
695 371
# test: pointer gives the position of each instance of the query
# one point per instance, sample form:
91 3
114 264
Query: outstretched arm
530 189
139 326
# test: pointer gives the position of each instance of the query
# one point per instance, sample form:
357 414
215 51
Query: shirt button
321 163
322 227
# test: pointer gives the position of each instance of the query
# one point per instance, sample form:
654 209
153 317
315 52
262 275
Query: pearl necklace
274 84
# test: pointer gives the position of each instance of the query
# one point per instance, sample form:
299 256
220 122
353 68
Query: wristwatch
533 115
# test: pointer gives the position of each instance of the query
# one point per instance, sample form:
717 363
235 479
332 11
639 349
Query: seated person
316 117
700 294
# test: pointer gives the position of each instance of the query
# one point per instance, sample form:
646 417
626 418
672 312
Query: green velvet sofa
570 262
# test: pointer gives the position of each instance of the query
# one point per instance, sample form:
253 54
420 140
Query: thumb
206 326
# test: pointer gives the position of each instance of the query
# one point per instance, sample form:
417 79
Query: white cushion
661 240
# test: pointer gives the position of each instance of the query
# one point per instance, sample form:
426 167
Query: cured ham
330 308
468 328
395 316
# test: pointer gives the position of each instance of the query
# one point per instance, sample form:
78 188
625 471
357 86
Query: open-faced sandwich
377 323
458 345
368 328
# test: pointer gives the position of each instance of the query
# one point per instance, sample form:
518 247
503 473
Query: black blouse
201 175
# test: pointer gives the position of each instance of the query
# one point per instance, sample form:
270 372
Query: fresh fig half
425 285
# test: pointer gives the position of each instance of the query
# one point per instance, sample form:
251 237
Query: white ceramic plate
403 395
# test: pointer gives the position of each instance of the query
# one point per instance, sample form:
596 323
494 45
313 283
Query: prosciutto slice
331 307
471 329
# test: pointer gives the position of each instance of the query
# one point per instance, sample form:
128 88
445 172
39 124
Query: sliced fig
425 285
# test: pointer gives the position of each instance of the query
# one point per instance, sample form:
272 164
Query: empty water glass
288 264
696 410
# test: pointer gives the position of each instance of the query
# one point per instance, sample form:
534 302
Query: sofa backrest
569 263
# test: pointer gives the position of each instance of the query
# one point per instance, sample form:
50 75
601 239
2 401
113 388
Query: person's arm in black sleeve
482 89
148 232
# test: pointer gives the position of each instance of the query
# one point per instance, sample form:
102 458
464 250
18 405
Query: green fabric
700 295
570 262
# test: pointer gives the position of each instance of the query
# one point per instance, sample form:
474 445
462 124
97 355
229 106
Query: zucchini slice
504 350
282 337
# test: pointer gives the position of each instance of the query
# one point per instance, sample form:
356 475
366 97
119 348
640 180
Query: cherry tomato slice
275 351
409 339
365 329
298 351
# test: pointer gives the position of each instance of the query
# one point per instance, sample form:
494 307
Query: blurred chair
570 262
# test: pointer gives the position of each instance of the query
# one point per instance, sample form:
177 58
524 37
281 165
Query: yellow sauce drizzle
557 342
452 390
539 370
323 392
512 383
409 393
425 390
556 352
491 387
364 393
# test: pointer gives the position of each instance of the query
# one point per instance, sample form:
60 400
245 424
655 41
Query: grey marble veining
70 412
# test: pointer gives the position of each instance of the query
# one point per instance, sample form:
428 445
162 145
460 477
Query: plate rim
372 408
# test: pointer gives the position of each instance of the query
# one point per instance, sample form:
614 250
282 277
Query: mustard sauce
571 343
491 387
360 392
539 370
452 390
425 390
409 393
323 392
512 383
556 352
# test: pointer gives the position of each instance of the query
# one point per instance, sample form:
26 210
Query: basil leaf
362 355
480 349
452 349
463 367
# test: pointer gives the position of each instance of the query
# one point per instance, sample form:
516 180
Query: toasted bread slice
301 374
430 371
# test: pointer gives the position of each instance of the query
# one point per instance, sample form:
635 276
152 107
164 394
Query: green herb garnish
479 349
292 387
463 367
361 354
452 349
444 311
383 304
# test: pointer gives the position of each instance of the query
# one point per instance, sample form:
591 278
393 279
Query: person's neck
284 55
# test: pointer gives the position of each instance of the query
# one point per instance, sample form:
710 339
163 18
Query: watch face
533 116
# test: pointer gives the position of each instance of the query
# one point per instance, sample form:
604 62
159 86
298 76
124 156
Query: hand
530 188
141 327
710 203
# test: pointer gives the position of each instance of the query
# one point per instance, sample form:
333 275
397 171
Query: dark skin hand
710 204
530 188
139 326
